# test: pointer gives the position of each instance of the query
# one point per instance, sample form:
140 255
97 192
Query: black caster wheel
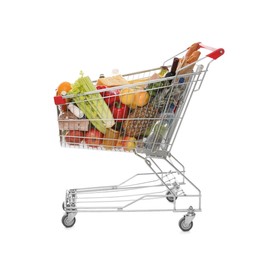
183 225
65 221
170 197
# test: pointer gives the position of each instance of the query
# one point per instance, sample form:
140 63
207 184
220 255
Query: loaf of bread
113 81
194 47
191 56
194 57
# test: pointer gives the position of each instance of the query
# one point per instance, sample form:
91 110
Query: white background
220 142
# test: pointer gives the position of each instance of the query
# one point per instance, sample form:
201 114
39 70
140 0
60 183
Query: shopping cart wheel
183 226
170 197
65 221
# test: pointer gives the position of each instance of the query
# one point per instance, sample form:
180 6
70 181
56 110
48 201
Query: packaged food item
113 81
75 110
110 138
68 121
67 115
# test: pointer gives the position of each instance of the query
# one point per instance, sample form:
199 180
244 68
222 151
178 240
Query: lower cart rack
143 192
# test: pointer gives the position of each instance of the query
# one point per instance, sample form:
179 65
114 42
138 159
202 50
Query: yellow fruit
129 143
141 99
127 96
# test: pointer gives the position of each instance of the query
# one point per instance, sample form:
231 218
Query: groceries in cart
125 112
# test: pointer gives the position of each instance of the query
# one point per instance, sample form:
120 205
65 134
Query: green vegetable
155 88
92 104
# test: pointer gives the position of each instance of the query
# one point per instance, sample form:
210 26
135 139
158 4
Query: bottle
167 122
156 140
99 83
163 71
174 66
115 72
160 98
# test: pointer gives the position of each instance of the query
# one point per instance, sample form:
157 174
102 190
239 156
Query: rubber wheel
66 223
183 226
170 197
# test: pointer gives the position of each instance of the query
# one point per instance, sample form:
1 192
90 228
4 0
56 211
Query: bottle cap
181 80
115 71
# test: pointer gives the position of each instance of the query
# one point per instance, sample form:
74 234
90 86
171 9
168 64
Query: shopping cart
146 113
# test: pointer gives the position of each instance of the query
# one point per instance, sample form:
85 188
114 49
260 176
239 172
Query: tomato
93 138
74 137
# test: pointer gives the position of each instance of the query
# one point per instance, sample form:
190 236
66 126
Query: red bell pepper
110 96
119 111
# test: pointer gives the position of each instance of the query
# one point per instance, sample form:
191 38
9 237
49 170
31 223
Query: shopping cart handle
59 100
215 54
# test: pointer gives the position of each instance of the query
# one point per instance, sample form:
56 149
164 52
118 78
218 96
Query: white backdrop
220 142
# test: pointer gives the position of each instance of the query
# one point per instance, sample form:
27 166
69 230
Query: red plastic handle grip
215 54
59 100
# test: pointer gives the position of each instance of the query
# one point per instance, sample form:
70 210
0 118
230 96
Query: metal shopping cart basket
138 112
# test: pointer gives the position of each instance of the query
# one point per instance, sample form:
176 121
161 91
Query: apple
93 138
74 136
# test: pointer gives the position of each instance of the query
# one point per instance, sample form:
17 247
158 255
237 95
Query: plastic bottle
115 72
157 138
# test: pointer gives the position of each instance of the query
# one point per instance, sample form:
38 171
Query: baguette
194 47
191 50
194 57
187 61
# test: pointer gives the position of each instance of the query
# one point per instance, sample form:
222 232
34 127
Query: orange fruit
63 88
141 99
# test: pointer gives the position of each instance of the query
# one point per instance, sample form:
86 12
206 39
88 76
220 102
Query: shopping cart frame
164 184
